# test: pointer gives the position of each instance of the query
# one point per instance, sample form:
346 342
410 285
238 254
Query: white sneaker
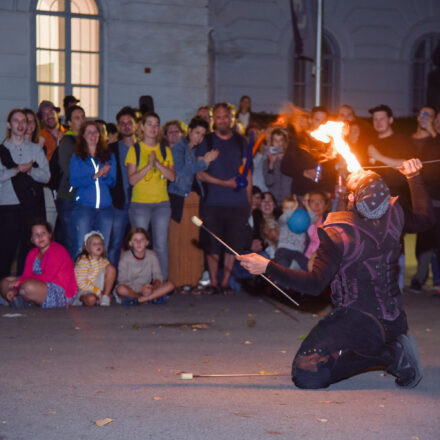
205 280
105 301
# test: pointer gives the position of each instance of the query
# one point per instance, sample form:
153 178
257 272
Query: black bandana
372 196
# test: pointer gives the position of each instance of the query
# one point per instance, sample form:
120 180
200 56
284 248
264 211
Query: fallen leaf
383 374
158 370
157 398
415 437
428 330
241 415
99 391
51 413
277 311
103 422
251 322
284 351
250 315
136 326
321 420
273 432
228 333
381 406
110 368
330 401
302 337
46 361
247 342
199 326
206 361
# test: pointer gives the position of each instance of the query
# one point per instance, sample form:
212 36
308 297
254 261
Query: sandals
183 290
211 290
198 290
226 290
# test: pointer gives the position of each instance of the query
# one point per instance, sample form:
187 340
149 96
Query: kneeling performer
358 253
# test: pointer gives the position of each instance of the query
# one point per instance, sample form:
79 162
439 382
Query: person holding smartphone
277 183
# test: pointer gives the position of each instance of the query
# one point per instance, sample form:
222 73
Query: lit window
67 52
422 65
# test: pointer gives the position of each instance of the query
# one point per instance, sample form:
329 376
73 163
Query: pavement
62 371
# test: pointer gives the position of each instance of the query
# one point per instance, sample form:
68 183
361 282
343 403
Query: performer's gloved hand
411 168
254 263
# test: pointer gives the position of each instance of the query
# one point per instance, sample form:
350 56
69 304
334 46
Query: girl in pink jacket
48 279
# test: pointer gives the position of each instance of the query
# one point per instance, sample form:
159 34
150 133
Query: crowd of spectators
95 212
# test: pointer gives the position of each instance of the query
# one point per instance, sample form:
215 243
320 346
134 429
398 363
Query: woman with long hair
244 112
23 171
150 165
33 130
92 174
184 195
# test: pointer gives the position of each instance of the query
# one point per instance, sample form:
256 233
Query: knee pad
311 380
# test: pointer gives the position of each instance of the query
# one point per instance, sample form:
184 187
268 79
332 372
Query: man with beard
358 254
121 192
52 130
224 208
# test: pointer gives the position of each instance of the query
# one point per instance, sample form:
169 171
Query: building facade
186 53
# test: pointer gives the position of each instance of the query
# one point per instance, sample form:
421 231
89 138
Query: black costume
359 256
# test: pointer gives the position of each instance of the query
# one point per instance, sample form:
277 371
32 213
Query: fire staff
358 254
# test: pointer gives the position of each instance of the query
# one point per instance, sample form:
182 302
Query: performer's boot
406 364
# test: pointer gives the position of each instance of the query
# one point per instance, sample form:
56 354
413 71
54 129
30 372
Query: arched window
422 66
303 81
67 44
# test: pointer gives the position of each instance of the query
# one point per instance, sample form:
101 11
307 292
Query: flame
332 131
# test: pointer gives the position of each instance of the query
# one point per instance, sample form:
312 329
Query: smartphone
424 116
275 150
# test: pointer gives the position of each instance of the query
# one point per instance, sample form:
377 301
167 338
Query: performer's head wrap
371 195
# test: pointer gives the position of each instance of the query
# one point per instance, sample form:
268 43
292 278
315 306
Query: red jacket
57 267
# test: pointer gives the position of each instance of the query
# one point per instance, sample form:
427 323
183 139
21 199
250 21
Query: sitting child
48 279
94 273
140 278
269 229
291 246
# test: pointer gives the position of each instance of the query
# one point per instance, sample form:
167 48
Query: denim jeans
64 232
120 222
159 214
86 219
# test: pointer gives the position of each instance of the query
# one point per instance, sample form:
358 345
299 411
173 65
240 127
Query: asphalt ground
62 370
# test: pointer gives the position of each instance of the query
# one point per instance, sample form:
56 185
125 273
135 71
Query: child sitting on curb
94 273
140 278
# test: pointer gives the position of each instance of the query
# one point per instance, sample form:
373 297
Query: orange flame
332 131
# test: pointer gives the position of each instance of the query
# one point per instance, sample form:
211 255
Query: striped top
86 272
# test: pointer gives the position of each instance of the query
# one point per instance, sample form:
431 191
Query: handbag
29 192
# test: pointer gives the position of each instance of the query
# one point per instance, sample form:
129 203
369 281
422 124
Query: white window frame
68 87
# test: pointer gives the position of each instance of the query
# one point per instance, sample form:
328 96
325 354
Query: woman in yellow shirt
150 166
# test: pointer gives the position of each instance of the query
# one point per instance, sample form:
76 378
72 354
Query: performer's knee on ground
310 379
311 371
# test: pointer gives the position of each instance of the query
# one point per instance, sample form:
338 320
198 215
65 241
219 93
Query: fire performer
358 254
